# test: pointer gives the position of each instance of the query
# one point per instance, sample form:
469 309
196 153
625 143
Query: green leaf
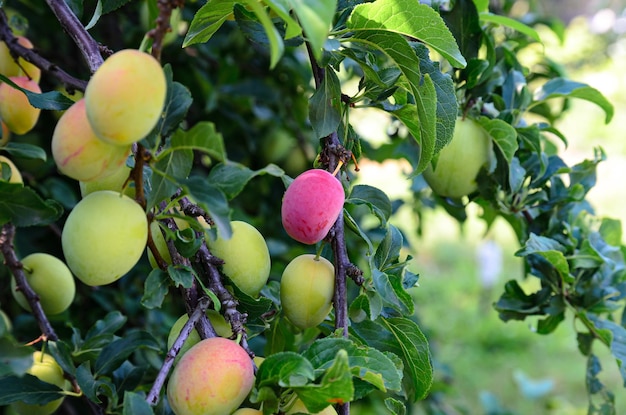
177 103
27 389
25 150
92 387
510 23
113 354
136 404
375 199
187 243
316 17
388 251
411 19
231 177
156 287
564 88
503 135
52 100
201 137
22 206
464 24
14 359
285 369
62 353
395 406
207 20
420 119
111 323
181 275
277 47
213 200
169 169
613 336
336 386
281 8
325 105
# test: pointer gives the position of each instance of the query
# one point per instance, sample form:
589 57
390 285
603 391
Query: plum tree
212 378
115 181
299 407
104 237
48 370
219 323
15 110
16 176
10 67
246 257
79 153
306 290
460 161
125 97
311 205
51 279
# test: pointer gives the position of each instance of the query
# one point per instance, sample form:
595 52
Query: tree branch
162 24
90 49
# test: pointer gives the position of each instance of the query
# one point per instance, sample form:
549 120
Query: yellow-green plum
311 205
104 237
247 411
246 257
307 287
78 153
6 134
19 116
125 97
114 181
213 378
16 176
51 280
460 161
299 407
219 323
9 67
161 245
48 370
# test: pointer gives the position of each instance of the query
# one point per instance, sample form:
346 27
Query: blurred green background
483 365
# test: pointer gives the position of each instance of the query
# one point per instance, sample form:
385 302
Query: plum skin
311 205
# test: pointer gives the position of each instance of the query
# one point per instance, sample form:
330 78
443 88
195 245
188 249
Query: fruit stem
339 164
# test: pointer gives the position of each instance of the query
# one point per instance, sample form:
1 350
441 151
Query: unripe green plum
16 176
219 323
15 110
311 205
160 242
9 67
79 153
299 407
125 97
247 411
246 257
114 182
104 237
460 161
213 378
48 370
51 280
307 287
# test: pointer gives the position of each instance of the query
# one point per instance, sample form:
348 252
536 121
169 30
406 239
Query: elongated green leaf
316 17
614 336
511 23
111 323
277 47
51 100
286 369
408 18
181 275
156 287
15 359
560 87
281 8
207 20
374 198
503 134
22 206
201 137
170 168
28 389
325 105
232 177
177 103
213 200
136 404
25 150
112 356
421 119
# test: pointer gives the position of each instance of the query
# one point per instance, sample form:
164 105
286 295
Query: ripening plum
311 205
213 378
15 110
114 181
125 97
78 153
299 407
51 280
246 257
6 134
16 176
307 287
48 370
247 411
104 237
219 323
9 67
460 161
